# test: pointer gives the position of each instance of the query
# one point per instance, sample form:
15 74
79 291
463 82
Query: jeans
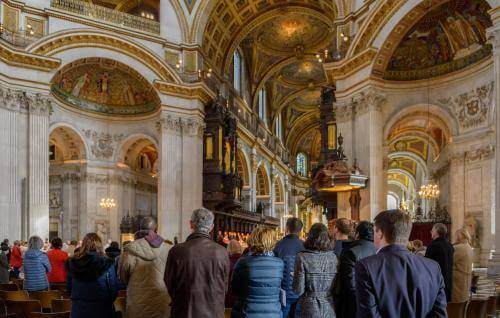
289 310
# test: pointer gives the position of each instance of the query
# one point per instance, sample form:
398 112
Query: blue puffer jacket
286 249
36 265
256 283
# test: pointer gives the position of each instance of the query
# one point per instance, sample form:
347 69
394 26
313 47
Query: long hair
318 238
463 236
91 243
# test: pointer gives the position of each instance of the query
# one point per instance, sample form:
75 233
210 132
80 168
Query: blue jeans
289 310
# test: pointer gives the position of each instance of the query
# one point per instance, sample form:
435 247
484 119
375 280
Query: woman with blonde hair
462 266
256 280
92 280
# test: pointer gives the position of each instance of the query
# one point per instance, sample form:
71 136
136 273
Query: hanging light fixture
107 203
429 190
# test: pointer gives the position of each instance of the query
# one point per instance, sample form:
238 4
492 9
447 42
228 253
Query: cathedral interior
256 109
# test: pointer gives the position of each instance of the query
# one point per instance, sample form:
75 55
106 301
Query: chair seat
14 295
22 307
477 308
9 287
49 315
456 309
61 305
45 297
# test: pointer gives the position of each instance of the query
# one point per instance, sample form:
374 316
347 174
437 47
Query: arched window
279 128
237 71
302 164
262 105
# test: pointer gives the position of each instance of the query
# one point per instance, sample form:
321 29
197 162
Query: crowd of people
351 271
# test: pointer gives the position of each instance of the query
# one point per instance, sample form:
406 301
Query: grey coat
313 281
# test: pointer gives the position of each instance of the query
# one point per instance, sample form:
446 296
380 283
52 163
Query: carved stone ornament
190 126
103 144
471 108
371 99
493 36
18 100
39 104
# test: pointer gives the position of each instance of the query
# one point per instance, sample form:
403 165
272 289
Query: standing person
4 264
462 266
287 249
16 259
57 259
113 250
235 251
142 267
441 251
342 229
418 247
395 283
345 284
92 281
314 275
257 278
197 272
70 249
36 265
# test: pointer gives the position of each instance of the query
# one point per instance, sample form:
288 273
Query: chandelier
107 203
429 191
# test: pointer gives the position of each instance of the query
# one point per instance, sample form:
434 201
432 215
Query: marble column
254 164
272 199
70 203
286 189
494 36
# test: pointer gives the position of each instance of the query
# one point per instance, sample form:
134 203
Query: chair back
18 281
49 315
491 308
227 312
22 307
3 310
14 295
477 308
498 301
456 309
61 305
58 286
9 287
45 297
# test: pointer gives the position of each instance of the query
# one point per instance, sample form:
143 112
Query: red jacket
57 260
16 257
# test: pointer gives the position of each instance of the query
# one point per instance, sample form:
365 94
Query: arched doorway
262 189
243 171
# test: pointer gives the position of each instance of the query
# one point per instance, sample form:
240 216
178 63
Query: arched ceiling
68 144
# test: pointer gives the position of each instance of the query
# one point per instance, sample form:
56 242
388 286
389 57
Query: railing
102 13
18 38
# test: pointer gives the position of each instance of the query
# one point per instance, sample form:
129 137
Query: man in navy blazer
395 283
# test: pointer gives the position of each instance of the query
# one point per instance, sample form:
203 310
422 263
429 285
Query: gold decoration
13 57
336 71
37 26
10 18
192 91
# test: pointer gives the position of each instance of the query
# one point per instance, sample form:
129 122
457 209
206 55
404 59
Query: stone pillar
70 202
272 199
494 36
286 186
254 164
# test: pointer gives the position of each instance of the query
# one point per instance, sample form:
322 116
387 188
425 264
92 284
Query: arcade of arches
110 100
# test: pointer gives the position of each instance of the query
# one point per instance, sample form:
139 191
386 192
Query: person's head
364 231
439 230
318 238
391 227
234 247
74 243
148 223
35 243
56 243
418 244
410 246
91 243
202 220
462 236
4 247
343 228
17 243
114 245
293 225
6 241
262 240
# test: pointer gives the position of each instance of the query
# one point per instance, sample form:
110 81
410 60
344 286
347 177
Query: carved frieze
103 144
39 104
18 100
370 99
471 108
190 126
484 153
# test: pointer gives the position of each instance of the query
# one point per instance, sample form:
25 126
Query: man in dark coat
395 283
441 251
345 282
286 249
197 272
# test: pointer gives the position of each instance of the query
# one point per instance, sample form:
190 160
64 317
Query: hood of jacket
33 254
89 267
142 249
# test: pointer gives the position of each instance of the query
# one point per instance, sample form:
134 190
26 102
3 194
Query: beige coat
142 267
462 272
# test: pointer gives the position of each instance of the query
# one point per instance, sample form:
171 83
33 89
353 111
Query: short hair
463 235
114 245
35 243
365 231
74 242
318 238
395 225
4 247
441 229
56 243
344 226
148 223
202 220
417 244
294 225
262 239
234 247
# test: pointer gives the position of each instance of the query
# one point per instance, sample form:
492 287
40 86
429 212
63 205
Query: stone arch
73 140
243 166
279 191
134 146
262 187
408 154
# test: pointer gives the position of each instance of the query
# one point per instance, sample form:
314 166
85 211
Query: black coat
395 283
286 249
441 251
345 283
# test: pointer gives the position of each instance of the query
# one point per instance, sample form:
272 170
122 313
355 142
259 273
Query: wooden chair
8 316
22 307
491 308
456 310
49 315
227 313
61 305
14 295
45 297
18 281
9 287
58 286
498 301
65 294
477 308
473 285
3 310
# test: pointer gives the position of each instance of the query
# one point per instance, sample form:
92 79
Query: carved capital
39 104
370 99
493 35
103 144
193 127
12 99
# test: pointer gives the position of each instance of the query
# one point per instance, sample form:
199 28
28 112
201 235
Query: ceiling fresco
404 163
448 38
104 86
303 72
